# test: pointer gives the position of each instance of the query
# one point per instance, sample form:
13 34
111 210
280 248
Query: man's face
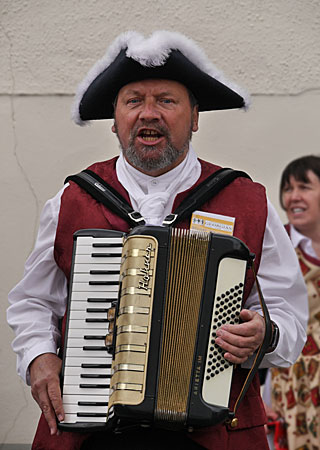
301 202
154 122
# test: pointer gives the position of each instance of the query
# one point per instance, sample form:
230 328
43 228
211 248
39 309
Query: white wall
46 47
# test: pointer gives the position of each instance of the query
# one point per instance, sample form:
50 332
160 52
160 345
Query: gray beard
168 157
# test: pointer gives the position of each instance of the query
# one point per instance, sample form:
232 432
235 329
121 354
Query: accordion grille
187 264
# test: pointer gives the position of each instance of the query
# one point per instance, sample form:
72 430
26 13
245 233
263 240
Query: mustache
161 129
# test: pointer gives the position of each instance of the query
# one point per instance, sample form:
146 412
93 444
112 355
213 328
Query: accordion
140 336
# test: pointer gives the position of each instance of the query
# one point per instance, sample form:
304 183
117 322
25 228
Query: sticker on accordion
215 223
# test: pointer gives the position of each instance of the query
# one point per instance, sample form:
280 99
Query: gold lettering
144 271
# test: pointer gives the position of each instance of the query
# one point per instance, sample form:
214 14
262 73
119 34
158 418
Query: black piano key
104 283
94 386
99 300
105 255
92 404
95 375
105 245
88 414
96 320
97 310
94 348
95 366
104 272
94 338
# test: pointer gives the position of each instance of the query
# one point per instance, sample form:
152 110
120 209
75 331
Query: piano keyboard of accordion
177 287
94 286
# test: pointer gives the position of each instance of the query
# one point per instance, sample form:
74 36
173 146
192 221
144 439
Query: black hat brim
97 101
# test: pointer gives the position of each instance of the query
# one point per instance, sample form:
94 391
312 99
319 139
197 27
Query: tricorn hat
163 55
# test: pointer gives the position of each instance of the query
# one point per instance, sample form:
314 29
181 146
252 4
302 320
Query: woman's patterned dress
295 390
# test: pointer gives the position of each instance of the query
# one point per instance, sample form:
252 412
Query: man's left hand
242 340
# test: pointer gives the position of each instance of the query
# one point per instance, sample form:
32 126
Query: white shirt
153 197
39 299
304 242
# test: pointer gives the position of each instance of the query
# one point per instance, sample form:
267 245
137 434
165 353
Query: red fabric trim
309 258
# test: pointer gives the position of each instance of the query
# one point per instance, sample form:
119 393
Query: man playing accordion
153 89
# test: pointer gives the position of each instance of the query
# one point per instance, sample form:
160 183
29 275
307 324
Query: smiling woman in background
295 391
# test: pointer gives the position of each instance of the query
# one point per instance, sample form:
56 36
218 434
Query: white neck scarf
153 197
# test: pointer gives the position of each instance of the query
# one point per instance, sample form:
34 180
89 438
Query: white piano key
74 409
89 249
88 259
83 305
88 325
86 287
89 240
72 418
74 399
78 306
77 390
80 333
78 342
86 277
84 295
86 268
79 315
86 353
80 370
73 361
77 380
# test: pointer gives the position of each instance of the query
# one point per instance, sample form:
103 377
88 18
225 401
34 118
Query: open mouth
297 210
149 135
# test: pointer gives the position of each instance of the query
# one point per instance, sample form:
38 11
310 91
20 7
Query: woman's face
301 201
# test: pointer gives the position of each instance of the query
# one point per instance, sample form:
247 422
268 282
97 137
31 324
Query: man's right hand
45 388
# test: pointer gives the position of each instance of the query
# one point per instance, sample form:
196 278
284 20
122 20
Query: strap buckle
136 217
170 219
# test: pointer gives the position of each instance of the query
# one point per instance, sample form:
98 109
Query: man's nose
149 111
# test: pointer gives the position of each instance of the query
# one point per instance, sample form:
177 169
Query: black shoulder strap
210 187
262 349
106 194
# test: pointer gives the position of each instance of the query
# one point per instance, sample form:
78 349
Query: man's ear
195 119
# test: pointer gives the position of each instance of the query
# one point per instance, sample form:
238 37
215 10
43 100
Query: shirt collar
296 237
299 240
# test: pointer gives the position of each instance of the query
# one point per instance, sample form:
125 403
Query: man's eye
133 101
167 101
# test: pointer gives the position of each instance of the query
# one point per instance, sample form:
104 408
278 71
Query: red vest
242 199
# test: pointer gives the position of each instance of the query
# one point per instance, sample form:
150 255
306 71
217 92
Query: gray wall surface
46 48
